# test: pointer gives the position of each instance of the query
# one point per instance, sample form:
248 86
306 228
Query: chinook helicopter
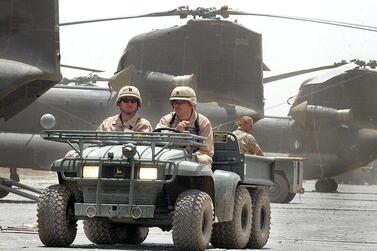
332 124
217 51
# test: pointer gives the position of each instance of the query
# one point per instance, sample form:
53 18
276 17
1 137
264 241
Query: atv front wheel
192 220
57 224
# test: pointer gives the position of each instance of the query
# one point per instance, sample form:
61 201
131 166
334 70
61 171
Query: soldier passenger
128 101
247 142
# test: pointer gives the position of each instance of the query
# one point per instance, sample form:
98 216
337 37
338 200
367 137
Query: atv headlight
90 172
148 173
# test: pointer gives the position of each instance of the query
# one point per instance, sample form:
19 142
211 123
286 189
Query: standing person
247 142
128 101
186 119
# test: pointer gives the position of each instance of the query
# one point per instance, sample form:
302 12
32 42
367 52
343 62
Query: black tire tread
190 206
227 234
55 227
131 234
289 197
259 237
281 189
100 231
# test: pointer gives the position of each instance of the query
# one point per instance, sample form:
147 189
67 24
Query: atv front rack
117 138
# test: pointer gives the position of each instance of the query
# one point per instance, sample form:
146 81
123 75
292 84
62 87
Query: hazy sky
287 45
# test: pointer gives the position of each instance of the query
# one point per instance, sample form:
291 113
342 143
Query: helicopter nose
369 137
368 143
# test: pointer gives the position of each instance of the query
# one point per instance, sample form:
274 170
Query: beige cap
131 91
184 93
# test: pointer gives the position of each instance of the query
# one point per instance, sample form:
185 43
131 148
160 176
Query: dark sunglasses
128 100
179 102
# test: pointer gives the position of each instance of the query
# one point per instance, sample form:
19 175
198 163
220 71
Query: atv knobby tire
57 224
131 234
235 234
101 231
192 220
260 230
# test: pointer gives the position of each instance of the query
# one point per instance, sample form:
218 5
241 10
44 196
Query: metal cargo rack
116 138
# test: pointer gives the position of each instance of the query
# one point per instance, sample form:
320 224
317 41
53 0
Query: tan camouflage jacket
247 142
115 124
204 154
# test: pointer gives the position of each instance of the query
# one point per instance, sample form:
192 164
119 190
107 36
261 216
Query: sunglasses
179 102
129 100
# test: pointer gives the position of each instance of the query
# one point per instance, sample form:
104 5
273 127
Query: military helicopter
218 52
332 124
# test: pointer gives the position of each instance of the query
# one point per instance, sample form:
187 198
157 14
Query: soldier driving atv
186 119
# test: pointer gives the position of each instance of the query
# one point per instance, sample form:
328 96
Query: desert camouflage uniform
115 124
247 142
204 154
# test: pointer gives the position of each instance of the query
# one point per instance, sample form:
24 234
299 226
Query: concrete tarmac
346 220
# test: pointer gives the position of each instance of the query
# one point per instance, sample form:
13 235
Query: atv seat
227 153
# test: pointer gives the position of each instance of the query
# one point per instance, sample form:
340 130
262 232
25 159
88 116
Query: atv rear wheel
101 231
260 231
235 234
131 234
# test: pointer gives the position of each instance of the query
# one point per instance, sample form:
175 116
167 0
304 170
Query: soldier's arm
163 123
145 126
101 128
206 131
249 144
259 151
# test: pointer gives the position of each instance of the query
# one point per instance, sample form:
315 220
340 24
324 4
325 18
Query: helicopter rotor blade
225 12
299 72
175 12
312 20
80 68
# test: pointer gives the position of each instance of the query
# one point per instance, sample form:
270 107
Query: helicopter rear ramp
29 52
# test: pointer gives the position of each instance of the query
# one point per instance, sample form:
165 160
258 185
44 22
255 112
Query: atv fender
225 190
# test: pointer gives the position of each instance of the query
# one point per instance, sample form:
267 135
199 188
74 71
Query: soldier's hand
182 126
71 153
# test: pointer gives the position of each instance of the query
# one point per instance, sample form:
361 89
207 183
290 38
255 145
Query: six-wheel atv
120 184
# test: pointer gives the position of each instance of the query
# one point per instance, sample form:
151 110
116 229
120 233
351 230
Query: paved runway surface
346 220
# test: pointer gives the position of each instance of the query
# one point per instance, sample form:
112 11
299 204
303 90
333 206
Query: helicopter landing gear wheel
14 175
4 193
326 185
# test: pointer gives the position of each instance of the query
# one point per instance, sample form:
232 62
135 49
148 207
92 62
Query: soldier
128 101
248 144
186 119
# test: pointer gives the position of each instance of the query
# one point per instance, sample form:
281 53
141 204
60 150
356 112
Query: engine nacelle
311 116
